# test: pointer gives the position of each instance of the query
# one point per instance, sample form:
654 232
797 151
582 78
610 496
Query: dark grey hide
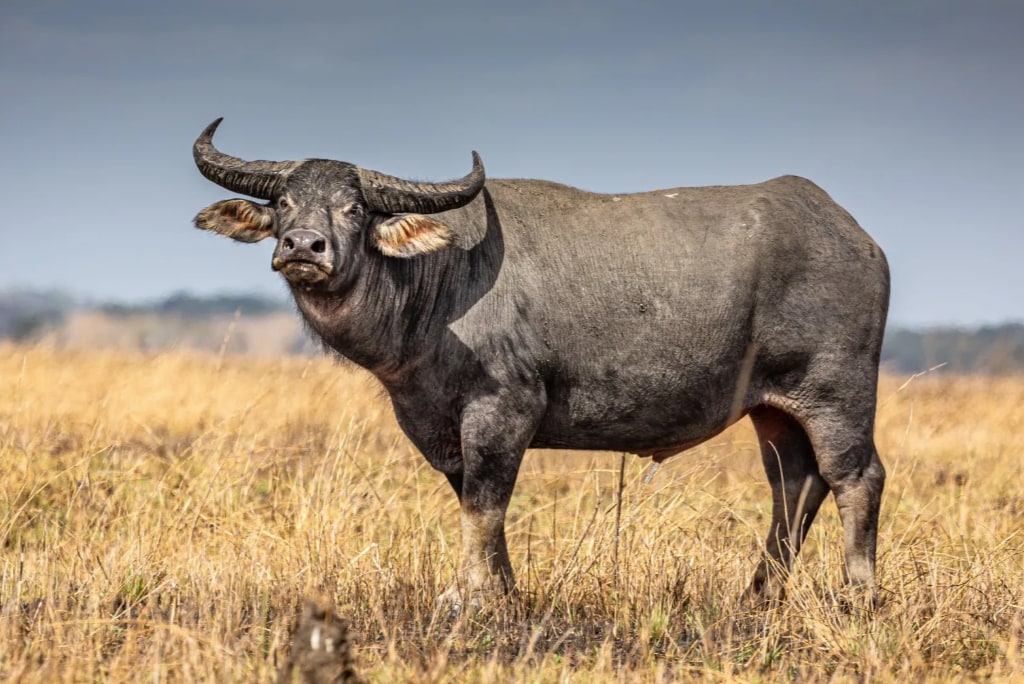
510 314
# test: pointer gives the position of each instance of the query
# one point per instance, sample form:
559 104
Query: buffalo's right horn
260 179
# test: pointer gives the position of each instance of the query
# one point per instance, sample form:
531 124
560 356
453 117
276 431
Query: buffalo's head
320 210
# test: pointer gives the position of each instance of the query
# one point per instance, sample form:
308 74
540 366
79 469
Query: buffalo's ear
238 219
410 235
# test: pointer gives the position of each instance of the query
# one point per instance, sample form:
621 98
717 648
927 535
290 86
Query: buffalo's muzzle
303 256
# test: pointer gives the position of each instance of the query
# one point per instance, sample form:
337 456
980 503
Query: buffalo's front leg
486 569
495 433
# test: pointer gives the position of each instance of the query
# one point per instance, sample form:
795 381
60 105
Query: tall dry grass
162 518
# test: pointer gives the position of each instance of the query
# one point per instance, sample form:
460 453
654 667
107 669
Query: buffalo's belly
665 440
642 418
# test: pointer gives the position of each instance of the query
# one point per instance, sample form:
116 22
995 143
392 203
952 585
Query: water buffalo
501 315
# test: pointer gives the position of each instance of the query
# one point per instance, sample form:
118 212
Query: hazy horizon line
284 299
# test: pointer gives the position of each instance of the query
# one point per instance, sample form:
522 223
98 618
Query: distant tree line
989 350
186 305
25 314
28 315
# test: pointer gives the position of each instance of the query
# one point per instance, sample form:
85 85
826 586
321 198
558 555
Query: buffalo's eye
354 209
283 203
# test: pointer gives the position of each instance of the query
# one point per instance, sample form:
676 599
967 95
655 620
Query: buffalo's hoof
453 603
456 603
859 599
764 592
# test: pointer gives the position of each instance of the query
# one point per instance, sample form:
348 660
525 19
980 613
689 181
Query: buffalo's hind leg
849 463
798 490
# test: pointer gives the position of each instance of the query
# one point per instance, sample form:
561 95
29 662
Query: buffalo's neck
392 316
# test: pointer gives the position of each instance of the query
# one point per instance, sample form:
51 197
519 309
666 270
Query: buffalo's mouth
301 272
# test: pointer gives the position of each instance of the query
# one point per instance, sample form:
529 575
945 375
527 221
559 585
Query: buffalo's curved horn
260 179
387 194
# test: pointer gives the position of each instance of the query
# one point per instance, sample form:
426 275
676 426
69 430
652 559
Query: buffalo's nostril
289 243
319 246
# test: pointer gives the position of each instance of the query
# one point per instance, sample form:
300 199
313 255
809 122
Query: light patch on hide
410 235
237 219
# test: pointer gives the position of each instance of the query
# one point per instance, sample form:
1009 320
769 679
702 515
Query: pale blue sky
910 114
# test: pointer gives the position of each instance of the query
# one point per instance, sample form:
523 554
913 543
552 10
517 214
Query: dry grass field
163 517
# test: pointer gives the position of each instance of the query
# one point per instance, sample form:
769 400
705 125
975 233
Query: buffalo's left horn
260 179
387 194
